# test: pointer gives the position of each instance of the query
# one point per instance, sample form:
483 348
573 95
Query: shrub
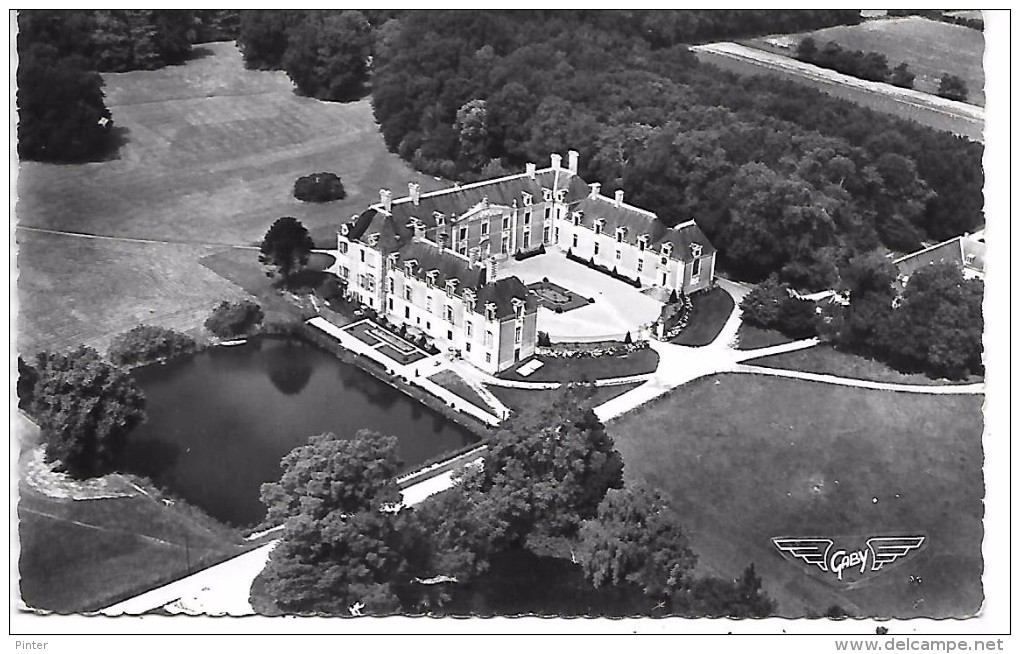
148 343
627 340
331 289
231 319
771 306
543 339
319 187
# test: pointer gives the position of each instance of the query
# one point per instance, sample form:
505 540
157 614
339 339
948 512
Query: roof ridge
930 248
473 185
624 205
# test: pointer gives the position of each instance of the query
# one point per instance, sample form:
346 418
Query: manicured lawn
709 311
929 48
750 337
452 382
211 156
747 458
563 369
85 555
242 267
523 400
75 290
827 360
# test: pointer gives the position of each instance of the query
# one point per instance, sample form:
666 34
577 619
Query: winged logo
888 550
813 551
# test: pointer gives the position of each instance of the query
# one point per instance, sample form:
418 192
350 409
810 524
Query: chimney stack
556 160
619 198
572 156
596 188
386 199
414 190
529 169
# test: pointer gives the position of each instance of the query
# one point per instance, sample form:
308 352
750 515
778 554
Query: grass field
211 156
523 400
745 459
565 369
752 338
452 382
930 48
827 360
75 290
928 116
85 555
709 312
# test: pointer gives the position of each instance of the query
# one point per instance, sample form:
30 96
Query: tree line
783 178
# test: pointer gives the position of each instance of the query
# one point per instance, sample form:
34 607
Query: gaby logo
822 552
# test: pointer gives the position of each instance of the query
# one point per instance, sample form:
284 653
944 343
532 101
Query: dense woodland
784 179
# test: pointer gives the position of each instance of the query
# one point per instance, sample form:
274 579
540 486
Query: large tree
636 537
286 246
550 468
62 114
327 54
263 35
734 598
342 544
938 326
86 408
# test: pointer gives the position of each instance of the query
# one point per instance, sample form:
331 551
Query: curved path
931 389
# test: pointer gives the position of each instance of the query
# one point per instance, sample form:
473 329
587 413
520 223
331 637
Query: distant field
929 47
745 459
211 156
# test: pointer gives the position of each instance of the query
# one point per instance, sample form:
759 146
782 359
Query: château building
430 260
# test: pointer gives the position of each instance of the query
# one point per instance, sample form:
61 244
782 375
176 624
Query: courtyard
618 307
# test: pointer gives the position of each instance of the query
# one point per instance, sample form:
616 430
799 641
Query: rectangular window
462 249
462 234
619 237
343 247
345 272
428 303
527 217
467 347
485 228
449 335
526 241
448 313
545 234
575 240
392 286
390 304
362 256
505 247
596 248
640 264
619 255
407 293
506 222
548 213
468 329
488 339
557 234
488 357
641 245
518 333
696 269
598 228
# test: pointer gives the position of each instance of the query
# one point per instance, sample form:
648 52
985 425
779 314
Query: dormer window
409 267
642 242
490 311
430 278
392 259
345 229
518 305
373 239
451 286
695 250
527 198
469 297
547 195
620 231
440 218
598 226
576 217
667 249
561 195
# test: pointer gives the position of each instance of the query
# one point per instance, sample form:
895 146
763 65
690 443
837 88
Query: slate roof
638 222
501 293
448 265
962 251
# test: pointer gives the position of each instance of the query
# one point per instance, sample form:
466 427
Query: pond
219 422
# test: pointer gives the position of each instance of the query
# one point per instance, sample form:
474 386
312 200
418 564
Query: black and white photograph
673 320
